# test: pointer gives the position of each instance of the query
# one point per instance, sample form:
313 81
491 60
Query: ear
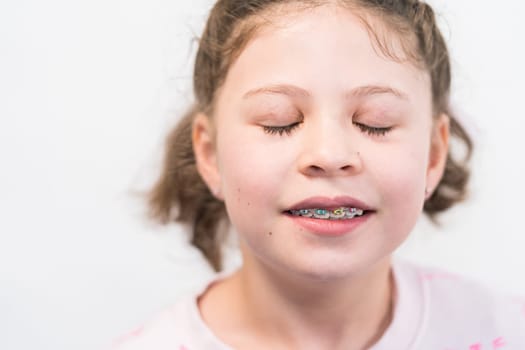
438 153
204 148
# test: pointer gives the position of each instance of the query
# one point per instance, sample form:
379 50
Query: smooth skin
319 70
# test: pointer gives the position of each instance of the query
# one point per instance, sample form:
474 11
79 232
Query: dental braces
335 214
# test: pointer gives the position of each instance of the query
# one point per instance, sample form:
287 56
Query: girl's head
297 100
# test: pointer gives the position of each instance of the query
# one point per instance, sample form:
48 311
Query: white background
88 91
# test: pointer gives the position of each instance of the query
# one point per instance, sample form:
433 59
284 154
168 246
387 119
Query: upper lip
325 202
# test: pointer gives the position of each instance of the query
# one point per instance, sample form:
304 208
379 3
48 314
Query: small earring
216 192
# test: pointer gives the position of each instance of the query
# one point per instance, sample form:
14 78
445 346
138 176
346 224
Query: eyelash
372 130
287 129
272 130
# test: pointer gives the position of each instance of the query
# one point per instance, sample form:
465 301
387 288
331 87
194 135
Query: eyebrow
295 91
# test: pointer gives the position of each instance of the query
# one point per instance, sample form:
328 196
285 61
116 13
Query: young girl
320 132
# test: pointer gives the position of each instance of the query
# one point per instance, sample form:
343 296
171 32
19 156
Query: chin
329 268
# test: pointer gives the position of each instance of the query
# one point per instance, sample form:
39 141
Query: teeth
332 214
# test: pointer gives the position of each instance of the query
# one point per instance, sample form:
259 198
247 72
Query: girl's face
311 108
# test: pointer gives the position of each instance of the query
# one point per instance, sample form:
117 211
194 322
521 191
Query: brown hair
181 195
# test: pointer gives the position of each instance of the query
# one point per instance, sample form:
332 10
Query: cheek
402 178
252 176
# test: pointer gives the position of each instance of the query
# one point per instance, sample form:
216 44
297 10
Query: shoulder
178 327
468 296
462 307
166 330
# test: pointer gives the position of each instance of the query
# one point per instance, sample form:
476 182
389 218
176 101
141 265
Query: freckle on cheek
270 233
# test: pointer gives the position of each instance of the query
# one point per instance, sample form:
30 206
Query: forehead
325 49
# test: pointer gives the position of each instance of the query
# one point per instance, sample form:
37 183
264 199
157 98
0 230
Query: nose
330 149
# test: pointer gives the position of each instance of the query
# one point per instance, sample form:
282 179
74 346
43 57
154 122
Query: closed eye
281 129
372 130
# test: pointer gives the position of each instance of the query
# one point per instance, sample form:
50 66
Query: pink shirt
434 310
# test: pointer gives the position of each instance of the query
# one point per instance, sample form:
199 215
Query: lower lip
330 227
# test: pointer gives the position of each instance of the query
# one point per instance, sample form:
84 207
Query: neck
351 312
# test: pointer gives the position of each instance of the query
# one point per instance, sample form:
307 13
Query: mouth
337 213
323 208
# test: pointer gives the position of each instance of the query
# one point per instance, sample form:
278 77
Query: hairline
371 19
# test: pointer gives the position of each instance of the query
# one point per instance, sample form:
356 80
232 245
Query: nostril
316 168
336 164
